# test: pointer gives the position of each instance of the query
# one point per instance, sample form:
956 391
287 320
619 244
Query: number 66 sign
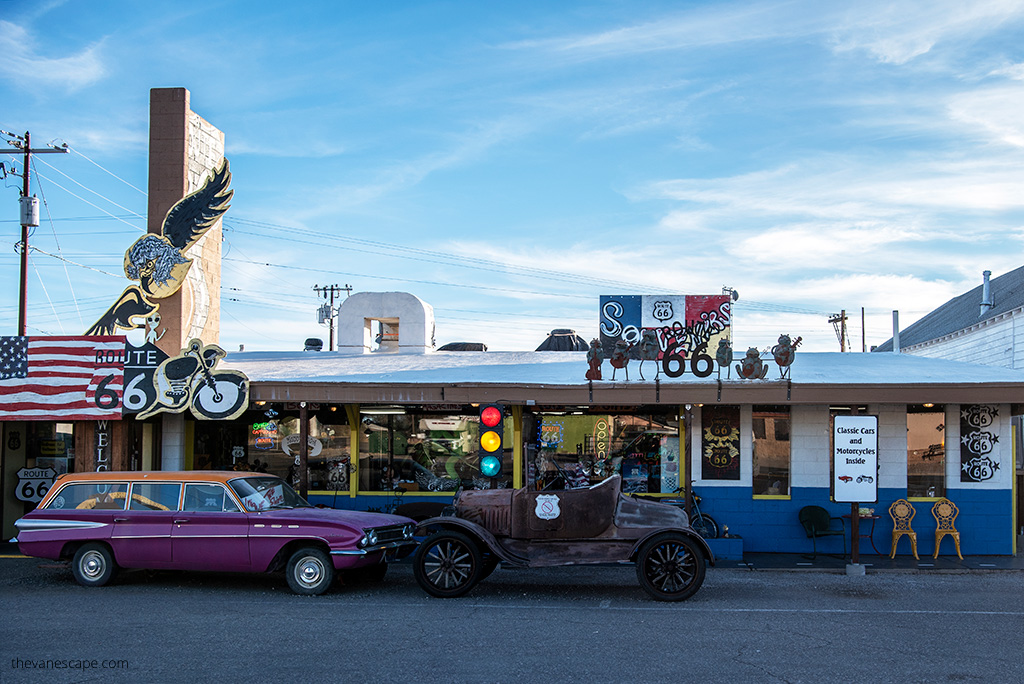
34 483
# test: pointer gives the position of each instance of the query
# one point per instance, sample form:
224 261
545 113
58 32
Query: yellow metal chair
945 512
902 513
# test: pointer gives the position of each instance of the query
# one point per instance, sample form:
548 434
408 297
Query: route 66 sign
34 483
547 507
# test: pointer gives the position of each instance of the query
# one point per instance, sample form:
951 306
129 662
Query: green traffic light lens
490 466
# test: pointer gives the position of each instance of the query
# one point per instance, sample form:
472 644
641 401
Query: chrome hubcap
92 564
310 572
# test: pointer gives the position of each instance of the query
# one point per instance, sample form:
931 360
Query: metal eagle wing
193 215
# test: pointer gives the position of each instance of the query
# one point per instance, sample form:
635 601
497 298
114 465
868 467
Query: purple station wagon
207 520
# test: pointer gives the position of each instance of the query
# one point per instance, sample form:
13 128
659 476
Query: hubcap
92 564
310 572
448 565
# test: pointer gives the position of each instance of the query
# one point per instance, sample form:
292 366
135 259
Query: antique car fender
487 540
689 534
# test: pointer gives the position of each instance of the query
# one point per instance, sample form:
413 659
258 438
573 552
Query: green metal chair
818 523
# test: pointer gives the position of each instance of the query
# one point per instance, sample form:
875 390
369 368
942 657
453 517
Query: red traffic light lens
491 416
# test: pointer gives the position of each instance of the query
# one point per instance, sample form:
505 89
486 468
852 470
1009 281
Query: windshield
265 493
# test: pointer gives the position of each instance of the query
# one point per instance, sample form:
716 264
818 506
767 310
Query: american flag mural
61 377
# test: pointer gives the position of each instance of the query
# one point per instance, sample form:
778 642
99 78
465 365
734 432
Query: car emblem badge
547 507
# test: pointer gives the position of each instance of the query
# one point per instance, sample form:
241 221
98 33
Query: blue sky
813 156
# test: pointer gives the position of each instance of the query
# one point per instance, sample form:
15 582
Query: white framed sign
855 459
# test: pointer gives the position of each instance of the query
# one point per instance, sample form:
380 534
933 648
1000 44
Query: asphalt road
559 624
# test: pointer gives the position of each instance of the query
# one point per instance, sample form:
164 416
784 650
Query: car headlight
409 531
371 537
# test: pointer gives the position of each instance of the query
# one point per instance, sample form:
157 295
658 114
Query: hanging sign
855 459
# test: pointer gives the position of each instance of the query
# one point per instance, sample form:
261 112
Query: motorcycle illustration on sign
188 381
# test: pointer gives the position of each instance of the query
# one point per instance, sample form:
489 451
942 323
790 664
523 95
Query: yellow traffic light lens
490 441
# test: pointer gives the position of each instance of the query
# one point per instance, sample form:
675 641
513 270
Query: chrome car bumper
374 549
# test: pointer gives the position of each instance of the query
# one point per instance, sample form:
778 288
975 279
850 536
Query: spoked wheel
93 565
447 564
705 526
670 567
310 572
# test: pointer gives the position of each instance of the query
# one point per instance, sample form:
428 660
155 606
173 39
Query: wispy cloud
23 65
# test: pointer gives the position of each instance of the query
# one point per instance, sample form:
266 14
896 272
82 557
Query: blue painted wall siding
772 525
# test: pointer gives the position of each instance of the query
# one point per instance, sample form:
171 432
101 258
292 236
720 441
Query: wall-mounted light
382 410
928 405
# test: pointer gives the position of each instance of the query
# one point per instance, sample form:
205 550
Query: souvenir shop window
569 451
273 447
424 451
926 451
771 450
52 445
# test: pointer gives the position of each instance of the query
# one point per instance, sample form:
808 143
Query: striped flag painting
61 377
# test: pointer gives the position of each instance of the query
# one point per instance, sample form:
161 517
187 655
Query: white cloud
21 64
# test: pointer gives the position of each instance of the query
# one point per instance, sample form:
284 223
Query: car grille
392 533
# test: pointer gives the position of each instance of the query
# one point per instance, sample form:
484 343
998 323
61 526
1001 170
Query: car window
109 496
207 497
155 496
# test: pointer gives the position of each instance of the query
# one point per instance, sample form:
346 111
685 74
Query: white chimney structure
405 321
986 293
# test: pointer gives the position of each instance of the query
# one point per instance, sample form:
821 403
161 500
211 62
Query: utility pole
29 212
838 322
327 310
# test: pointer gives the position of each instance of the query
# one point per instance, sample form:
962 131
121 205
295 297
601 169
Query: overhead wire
143 192
56 241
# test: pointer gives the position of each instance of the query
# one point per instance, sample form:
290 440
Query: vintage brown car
595 525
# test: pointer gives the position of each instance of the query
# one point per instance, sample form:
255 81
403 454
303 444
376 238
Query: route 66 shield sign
547 507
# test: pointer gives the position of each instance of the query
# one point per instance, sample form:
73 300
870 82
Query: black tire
447 564
368 574
94 565
705 526
670 567
310 571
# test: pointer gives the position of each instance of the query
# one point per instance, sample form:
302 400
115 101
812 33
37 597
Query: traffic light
492 438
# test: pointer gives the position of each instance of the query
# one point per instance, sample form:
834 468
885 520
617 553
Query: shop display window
926 452
771 450
570 451
52 445
425 451
273 447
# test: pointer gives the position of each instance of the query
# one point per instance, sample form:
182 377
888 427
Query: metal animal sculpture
785 352
723 355
750 366
595 355
620 357
649 350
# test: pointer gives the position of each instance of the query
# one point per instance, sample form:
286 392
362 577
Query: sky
509 163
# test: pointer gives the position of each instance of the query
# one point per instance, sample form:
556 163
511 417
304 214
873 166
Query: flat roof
559 377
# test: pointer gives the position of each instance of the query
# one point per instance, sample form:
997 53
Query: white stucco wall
413 316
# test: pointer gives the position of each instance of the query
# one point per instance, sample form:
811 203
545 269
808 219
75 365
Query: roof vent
986 293
314 344
563 339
